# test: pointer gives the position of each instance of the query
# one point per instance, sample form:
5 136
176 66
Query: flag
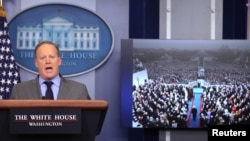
9 71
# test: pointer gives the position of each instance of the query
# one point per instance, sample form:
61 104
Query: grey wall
191 19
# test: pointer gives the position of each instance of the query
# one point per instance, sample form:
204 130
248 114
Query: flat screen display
184 84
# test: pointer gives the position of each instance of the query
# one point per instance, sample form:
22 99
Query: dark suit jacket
69 90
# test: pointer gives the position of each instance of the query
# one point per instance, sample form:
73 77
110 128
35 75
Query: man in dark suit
194 112
47 61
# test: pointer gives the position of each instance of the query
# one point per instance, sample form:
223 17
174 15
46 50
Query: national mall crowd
162 101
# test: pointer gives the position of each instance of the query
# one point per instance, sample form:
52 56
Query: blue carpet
197 98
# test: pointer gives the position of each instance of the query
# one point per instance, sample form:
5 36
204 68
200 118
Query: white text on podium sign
45 121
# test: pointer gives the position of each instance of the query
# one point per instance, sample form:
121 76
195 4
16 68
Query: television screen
184 84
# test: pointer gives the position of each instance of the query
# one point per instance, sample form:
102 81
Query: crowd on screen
162 101
227 104
156 104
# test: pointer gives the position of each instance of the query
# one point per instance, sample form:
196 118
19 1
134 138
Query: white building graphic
67 35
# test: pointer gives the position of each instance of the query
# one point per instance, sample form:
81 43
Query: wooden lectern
92 115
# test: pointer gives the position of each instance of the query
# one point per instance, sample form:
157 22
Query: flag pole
2 12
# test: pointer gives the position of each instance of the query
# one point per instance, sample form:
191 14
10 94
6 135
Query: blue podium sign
84 38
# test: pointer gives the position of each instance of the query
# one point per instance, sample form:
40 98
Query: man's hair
46 42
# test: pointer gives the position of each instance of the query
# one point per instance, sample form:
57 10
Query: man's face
47 61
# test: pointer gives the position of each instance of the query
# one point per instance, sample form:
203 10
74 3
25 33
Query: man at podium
73 116
49 83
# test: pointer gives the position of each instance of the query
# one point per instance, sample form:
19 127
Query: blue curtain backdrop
235 19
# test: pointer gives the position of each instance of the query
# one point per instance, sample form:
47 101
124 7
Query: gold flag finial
2 12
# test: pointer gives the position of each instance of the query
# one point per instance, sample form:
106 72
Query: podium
92 115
